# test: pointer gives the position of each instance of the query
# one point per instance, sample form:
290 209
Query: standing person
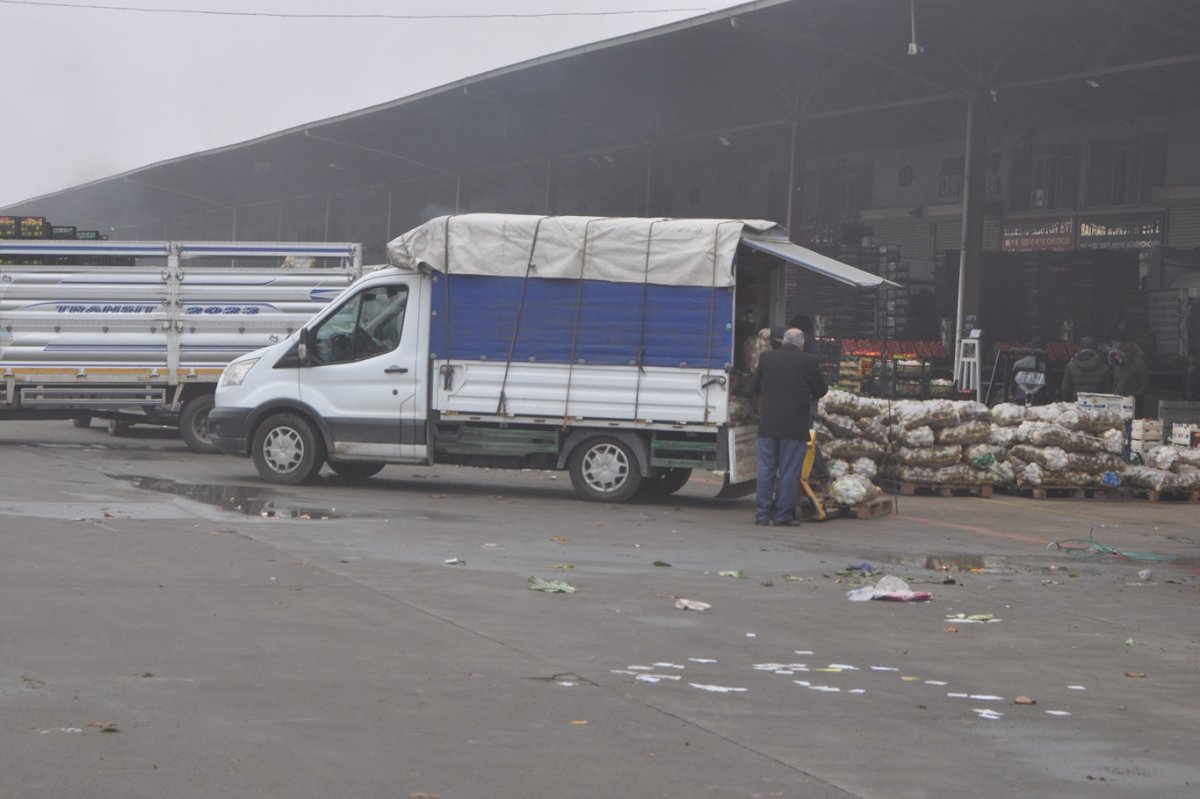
787 381
1131 377
1087 372
1026 382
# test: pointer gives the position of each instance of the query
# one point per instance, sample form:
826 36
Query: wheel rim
200 426
605 468
283 450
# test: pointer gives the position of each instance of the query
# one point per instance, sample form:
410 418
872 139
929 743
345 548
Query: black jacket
787 380
1087 373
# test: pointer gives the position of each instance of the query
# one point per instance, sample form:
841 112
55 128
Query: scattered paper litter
802 652
640 668
718 689
987 698
843 667
936 682
802 683
703 660
656 677
669 666
551 586
621 671
691 604
829 689
889 588
1077 687
957 695
857 691
985 713
884 668
1057 713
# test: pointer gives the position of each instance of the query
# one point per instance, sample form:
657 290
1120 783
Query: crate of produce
1146 430
1122 406
8 227
31 227
1183 434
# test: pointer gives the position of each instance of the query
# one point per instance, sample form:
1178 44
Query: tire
355 471
287 450
82 421
117 428
665 483
193 423
605 469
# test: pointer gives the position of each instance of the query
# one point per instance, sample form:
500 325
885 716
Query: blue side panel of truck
589 321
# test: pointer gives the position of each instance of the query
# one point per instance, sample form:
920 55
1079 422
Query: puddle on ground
247 500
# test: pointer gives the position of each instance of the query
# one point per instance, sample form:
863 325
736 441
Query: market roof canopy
814 261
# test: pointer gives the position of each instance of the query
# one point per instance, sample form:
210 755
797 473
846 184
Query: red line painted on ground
971 529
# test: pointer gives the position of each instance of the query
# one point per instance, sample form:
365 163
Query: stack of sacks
941 442
1166 469
1006 419
853 489
1061 444
850 433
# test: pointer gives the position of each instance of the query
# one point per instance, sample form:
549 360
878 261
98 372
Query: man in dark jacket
787 381
1131 376
1086 373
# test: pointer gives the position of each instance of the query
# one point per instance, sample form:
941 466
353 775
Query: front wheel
355 471
605 469
287 450
193 423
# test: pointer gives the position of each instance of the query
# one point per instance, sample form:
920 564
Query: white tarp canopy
674 252
780 247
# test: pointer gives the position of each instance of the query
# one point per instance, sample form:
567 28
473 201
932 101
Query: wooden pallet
1067 492
926 490
871 509
1169 495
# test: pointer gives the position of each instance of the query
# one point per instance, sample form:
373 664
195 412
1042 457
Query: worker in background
1087 372
1131 377
1029 374
787 381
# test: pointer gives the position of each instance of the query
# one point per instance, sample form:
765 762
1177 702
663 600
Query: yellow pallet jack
810 455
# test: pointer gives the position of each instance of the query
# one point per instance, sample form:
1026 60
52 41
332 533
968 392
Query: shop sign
951 176
1038 233
1122 231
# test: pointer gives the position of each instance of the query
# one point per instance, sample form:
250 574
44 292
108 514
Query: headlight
236 372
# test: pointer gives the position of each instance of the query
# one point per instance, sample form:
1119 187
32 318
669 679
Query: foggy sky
90 93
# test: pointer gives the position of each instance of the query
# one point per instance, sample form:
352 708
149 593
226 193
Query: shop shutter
949 235
914 237
1183 227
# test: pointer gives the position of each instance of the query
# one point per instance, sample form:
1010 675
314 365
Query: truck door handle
396 370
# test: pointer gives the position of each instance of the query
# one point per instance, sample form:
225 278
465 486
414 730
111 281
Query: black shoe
788 523
761 522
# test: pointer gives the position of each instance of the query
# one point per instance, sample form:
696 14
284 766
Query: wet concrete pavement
241 640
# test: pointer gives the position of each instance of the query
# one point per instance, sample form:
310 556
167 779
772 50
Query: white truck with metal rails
603 346
146 341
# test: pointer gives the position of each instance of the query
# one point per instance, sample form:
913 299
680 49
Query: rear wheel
355 471
605 469
287 450
117 428
193 423
82 420
666 482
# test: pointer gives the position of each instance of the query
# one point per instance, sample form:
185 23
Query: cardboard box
1122 406
1146 430
1142 447
1182 433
